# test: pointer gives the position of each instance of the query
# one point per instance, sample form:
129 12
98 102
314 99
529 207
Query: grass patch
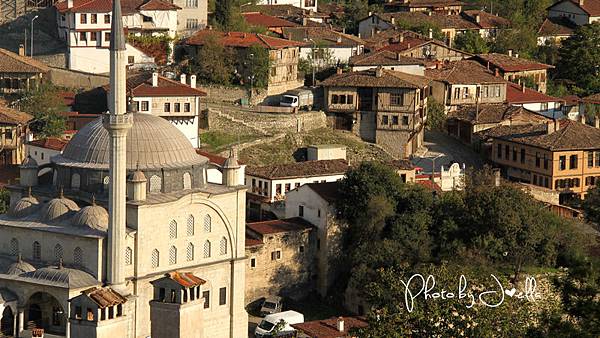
217 141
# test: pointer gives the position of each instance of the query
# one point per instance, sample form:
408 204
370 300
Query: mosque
129 239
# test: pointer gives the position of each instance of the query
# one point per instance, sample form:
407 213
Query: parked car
279 322
270 305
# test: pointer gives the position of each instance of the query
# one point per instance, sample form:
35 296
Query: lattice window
58 252
172 255
187 181
37 251
75 181
155 258
223 246
128 256
207 223
78 256
14 247
155 184
190 225
207 249
172 229
106 181
190 252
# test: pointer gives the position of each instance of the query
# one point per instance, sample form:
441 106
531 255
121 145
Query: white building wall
554 109
409 69
305 4
571 11
371 25
339 54
195 10
271 190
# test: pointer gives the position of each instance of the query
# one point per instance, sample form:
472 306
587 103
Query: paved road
448 149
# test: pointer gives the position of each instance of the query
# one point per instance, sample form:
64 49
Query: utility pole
31 49
313 62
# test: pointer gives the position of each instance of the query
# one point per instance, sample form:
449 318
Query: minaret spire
117 122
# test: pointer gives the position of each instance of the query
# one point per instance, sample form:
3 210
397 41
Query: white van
268 324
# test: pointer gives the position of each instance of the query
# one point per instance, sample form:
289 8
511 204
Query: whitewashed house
323 42
85 28
580 12
304 4
214 171
43 149
533 100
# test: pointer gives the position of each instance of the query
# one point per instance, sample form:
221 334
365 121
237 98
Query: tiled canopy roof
241 40
300 169
463 72
594 98
104 297
15 63
185 279
571 135
510 63
369 78
383 58
260 19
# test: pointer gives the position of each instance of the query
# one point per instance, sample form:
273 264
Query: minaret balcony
117 121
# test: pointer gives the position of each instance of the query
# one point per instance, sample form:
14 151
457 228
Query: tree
4 200
45 103
228 16
254 65
214 63
580 59
471 42
436 116
48 124
591 204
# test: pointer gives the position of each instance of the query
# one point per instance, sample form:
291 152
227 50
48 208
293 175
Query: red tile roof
383 58
14 63
105 6
241 40
251 241
52 143
428 184
300 169
495 114
13 117
158 5
571 100
214 158
591 7
185 279
516 94
463 21
557 26
260 19
463 72
369 78
279 226
329 191
327 328
104 297
594 98
510 63
323 36
141 85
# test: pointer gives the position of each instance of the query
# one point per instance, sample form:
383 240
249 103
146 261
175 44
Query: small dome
137 176
231 161
25 206
29 162
58 207
63 277
92 216
19 267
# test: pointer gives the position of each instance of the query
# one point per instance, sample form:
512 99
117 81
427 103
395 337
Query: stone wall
75 79
232 94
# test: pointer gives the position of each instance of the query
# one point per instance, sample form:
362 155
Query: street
444 149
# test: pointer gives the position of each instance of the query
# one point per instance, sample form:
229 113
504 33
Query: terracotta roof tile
299 169
214 158
13 117
592 7
241 39
368 78
104 297
510 63
383 58
516 94
323 36
105 6
571 99
426 3
279 226
463 21
141 85
327 328
557 26
571 135
463 72
283 11
185 279
251 241
53 143
594 98
260 19
495 113
401 164
428 184
329 191
14 63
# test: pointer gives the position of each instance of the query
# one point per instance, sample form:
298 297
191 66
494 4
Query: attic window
146 18
90 314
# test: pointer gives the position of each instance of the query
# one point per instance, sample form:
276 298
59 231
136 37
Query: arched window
37 251
155 184
172 229
14 247
155 258
207 249
75 181
190 252
128 256
190 225
223 246
187 181
172 255
58 252
207 223
78 256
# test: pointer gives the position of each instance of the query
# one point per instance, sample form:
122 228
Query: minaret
117 122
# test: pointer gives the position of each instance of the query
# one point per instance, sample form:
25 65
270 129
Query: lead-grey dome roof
62 277
19 267
152 143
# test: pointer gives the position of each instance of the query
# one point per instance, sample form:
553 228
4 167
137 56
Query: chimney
581 2
429 13
393 21
496 72
344 30
597 122
550 127
488 65
379 71
359 35
523 88
338 70
510 51
517 55
193 81
21 50
430 33
370 13
183 79
69 3
408 46
398 56
477 18
582 118
497 177
154 79
339 39
340 324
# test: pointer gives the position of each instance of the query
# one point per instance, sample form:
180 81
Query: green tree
214 63
45 103
228 16
472 42
591 204
580 59
436 116
4 200
48 124
254 65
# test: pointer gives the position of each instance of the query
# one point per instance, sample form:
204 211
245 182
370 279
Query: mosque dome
92 216
57 207
19 267
25 206
152 143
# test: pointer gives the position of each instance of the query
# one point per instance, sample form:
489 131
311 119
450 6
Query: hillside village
207 168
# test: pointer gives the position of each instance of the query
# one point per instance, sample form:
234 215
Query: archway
44 311
7 323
